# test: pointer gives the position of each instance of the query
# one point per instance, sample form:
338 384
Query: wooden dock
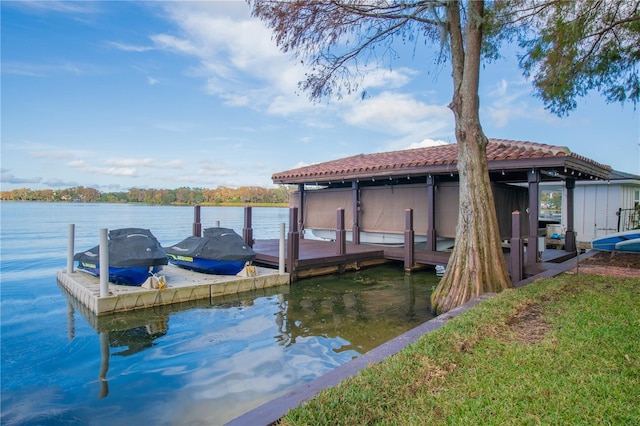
319 257
293 256
322 258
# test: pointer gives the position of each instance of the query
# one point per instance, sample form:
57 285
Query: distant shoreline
152 204
220 196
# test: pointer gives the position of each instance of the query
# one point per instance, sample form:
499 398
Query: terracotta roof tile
497 150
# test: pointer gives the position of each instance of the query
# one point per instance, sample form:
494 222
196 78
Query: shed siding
595 209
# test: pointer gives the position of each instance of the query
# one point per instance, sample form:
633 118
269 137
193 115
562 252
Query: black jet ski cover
128 247
215 244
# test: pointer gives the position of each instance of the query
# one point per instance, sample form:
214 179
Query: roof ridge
534 145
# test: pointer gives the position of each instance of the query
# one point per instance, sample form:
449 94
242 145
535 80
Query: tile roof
428 158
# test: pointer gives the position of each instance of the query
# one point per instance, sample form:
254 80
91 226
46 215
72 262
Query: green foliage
569 47
572 48
181 196
560 351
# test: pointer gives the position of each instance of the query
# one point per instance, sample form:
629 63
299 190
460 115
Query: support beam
355 197
247 231
301 203
197 226
534 205
293 243
570 235
515 255
409 237
431 214
341 233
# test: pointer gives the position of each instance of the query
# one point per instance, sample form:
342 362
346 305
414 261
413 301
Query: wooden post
301 215
104 263
409 234
431 214
534 202
281 254
247 231
355 199
516 249
293 243
570 235
197 226
341 234
70 247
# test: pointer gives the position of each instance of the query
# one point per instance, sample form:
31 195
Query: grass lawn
560 351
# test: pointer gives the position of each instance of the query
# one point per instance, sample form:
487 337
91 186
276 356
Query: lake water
205 362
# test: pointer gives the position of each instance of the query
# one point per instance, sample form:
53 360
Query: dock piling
247 231
293 243
341 233
70 247
409 236
104 263
197 226
516 254
281 251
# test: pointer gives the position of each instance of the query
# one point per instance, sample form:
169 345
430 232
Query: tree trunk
477 264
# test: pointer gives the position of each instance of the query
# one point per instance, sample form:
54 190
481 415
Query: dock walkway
317 257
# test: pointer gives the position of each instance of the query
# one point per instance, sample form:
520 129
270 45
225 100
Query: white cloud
235 99
55 155
129 162
173 164
115 171
111 171
238 60
301 164
70 7
45 70
399 114
6 177
388 79
426 143
57 183
512 101
79 164
129 47
174 44
144 162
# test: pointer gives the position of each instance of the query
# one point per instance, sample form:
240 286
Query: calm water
192 364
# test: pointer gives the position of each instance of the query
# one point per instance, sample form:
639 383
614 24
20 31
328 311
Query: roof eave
566 164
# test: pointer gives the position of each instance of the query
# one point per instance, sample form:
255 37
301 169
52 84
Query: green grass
560 351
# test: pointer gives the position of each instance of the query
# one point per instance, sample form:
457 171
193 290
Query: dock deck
315 258
318 257
181 286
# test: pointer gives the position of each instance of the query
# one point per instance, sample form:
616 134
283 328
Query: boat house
375 190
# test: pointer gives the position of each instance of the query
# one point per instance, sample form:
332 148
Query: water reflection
363 309
224 356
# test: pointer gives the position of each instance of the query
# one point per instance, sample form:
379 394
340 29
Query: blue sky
115 95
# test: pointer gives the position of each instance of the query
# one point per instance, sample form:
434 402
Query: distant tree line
180 196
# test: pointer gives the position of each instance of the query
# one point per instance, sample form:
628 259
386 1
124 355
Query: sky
121 94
